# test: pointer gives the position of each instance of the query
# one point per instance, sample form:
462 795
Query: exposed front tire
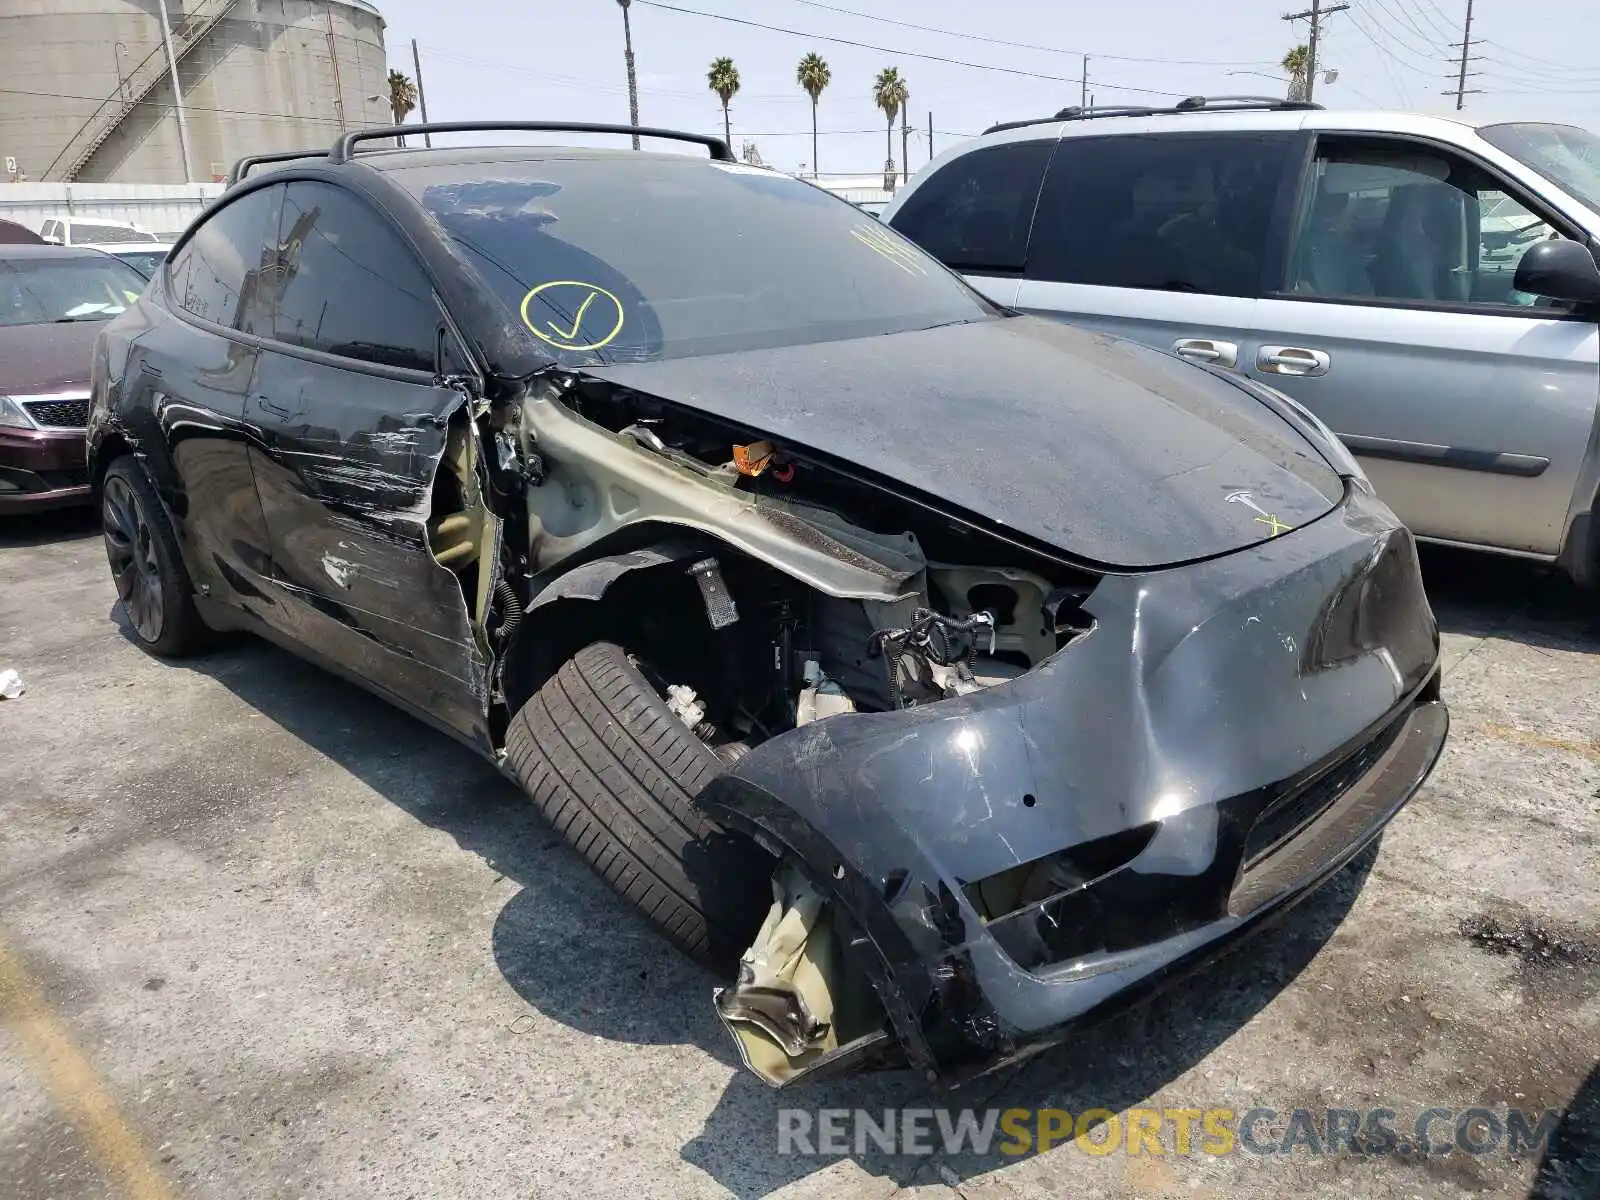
152 583
615 771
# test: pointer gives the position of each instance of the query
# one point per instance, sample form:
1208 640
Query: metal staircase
187 33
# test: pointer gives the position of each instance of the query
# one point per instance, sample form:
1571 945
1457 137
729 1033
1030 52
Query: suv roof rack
344 149
1189 105
242 167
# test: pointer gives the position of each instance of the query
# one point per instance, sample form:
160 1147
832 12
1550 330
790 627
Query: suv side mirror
1559 270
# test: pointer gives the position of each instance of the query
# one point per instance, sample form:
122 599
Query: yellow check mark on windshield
571 335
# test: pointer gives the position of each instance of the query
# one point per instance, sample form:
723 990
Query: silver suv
1428 288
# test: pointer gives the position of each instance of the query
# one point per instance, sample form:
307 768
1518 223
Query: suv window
1177 212
216 275
974 213
347 283
1387 221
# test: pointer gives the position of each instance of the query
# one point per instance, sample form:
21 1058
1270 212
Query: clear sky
564 60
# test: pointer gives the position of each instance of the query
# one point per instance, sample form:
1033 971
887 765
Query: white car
96 232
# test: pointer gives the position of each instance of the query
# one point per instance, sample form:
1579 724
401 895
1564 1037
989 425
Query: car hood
36 359
1114 453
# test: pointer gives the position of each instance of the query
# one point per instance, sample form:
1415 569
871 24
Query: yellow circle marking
567 338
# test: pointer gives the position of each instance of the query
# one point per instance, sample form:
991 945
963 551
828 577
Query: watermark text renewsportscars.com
1015 1132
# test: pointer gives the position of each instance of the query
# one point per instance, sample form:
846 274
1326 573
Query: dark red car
53 300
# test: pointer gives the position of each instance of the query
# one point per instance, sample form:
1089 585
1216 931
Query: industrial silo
86 88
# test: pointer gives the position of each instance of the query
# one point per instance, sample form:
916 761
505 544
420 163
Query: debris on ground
11 685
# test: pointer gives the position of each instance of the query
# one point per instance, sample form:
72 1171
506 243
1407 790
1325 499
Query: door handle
1208 350
276 410
1292 360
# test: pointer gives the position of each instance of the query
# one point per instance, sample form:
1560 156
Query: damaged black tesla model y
945 676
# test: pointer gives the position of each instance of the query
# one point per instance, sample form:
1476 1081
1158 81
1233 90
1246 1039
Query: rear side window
217 274
974 213
347 283
1179 212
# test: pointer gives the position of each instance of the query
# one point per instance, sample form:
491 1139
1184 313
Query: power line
1528 75
1427 52
938 58
1540 62
1408 64
1438 26
1383 62
973 37
233 112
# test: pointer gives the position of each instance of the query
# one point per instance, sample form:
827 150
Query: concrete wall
160 208
266 77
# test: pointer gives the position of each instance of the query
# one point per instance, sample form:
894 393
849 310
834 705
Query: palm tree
402 97
813 75
724 80
1295 62
889 93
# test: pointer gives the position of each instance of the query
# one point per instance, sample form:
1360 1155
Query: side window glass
1172 212
1387 222
348 285
974 213
218 273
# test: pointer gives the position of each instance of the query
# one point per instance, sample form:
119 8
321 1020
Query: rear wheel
615 771
152 583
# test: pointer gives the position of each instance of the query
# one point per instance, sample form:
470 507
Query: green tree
889 93
1295 62
813 76
402 97
724 80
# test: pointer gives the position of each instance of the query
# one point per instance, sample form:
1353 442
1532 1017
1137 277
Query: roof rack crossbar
344 148
1189 105
242 167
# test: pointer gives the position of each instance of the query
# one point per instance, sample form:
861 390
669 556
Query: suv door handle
1223 354
1292 360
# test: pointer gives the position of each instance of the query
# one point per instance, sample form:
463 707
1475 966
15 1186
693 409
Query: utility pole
1083 90
905 140
633 79
1466 53
1314 14
177 94
930 137
422 96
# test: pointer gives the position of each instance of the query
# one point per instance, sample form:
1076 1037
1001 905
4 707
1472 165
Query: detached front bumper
1227 737
42 469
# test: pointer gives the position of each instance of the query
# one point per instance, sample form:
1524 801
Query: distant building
91 97
857 189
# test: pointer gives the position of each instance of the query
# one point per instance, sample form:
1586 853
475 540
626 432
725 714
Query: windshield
633 258
1565 154
87 233
39 291
143 261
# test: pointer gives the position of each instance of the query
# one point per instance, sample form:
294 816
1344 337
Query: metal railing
135 87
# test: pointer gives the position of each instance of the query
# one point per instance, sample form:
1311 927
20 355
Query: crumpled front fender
1198 691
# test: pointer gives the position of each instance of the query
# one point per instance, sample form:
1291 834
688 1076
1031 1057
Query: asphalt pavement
263 936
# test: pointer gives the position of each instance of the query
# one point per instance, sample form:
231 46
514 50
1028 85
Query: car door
352 427
1471 405
188 376
974 212
1162 238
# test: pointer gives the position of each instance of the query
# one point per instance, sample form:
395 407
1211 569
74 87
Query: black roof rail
1188 105
344 149
242 167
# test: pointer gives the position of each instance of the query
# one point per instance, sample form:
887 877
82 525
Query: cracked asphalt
263 936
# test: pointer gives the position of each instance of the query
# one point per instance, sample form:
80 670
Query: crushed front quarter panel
1198 693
